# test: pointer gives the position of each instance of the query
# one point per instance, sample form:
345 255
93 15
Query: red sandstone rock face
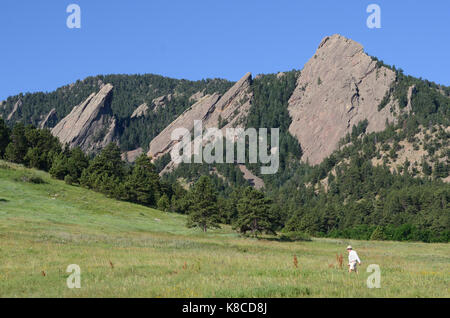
338 87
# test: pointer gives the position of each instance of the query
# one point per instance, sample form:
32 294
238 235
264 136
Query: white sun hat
349 247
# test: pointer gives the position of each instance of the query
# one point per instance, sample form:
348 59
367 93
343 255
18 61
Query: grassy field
45 227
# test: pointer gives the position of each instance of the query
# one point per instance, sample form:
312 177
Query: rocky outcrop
229 110
89 125
197 96
16 109
338 87
409 97
158 103
49 120
131 156
253 180
232 108
162 144
140 111
161 102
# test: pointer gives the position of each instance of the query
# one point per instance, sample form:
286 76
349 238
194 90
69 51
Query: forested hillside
130 91
388 181
385 185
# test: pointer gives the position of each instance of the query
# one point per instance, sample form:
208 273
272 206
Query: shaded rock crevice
49 120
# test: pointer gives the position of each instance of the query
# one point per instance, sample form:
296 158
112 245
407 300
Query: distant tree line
361 202
105 173
140 183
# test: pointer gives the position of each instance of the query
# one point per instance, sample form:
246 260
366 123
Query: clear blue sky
197 39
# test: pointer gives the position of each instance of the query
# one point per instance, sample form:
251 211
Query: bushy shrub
378 234
164 203
30 178
68 179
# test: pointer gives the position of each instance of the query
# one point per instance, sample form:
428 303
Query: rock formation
232 108
254 181
338 87
49 120
89 125
162 144
131 156
229 110
15 110
140 111
197 96
161 102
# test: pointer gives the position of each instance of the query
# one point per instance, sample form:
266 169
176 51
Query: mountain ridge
364 149
338 88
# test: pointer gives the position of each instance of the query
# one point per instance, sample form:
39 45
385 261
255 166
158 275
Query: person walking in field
353 259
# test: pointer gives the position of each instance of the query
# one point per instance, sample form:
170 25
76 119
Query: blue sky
198 39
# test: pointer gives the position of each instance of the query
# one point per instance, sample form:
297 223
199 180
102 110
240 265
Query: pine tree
440 170
59 167
77 162
164 203
180 199
105 172
42 148
377 234
143 184
230 210
426 168
203 210
69 162
18 147
4 137
255 213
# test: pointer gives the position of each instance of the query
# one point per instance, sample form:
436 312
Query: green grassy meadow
45 227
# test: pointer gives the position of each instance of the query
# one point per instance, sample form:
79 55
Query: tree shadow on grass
290 237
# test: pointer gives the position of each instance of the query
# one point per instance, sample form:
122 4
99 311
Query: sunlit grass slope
127 250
